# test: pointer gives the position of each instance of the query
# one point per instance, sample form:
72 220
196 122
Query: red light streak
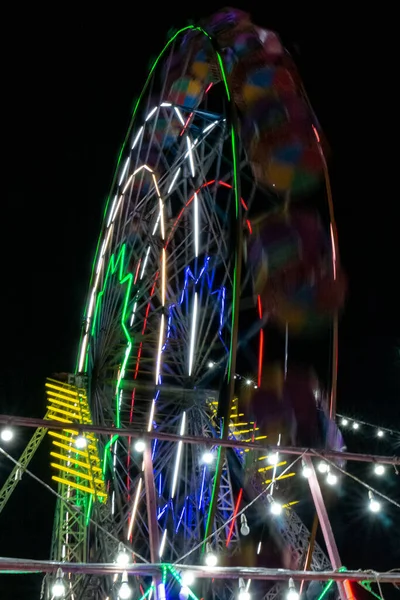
235 512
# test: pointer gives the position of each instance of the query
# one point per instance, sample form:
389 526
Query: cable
366 485
67 504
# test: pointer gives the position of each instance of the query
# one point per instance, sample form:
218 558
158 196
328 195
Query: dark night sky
68 84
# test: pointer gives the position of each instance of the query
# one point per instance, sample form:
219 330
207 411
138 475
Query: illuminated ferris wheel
161 335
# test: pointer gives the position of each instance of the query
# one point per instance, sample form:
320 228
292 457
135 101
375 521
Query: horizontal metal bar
206 441
200 571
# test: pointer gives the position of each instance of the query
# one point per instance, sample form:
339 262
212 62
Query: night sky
69 80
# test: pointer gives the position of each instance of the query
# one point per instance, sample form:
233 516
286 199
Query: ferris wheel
172 336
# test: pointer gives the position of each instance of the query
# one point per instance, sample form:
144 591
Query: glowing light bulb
323 467
58 589
355 425
292 594
187 578
244 594
345 422
380 433
81 442
210 364
332 479
125 591
207 458
276 508
139 446
273 458
306 471
6 434
248 381
210 558
374 505
123 558
379 469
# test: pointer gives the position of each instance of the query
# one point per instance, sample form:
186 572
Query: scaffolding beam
19 565
169 437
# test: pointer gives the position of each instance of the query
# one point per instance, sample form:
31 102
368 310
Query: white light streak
163 276
124 171
151 416
160 342
135 141
111 211
166 104
175 177
145 262
117 209
134 508
210 126
83 352
196 225
133 314
191 163
162 545
193 334
178 457
151 113
127 184
162 218
179 114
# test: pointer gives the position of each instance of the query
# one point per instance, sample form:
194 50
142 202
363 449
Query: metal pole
199 571
206 441
322 513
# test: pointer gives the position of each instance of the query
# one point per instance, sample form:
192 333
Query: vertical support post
151 504
322 513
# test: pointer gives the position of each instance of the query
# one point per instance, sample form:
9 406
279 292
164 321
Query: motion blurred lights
81 442
210 558
323 467
331 479
379 469
125 590
292 594
207 458
374 505
6 434
58 590
139 446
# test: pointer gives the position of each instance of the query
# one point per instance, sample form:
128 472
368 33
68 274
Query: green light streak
89 510
225 80
113 265
151 589
212 496
233 320
326 589
107 452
